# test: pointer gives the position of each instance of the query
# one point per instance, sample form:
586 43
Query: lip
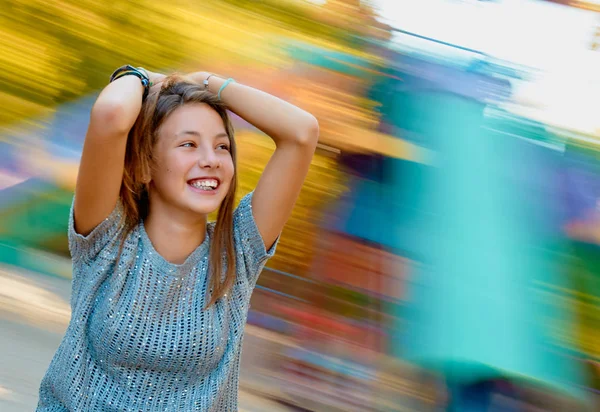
204 192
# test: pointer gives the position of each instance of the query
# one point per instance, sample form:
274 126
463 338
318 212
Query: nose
208 159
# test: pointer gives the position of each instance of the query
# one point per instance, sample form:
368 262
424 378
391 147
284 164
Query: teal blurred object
33 218
340 62
484 228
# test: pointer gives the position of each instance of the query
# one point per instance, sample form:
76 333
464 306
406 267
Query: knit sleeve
250 247
86 248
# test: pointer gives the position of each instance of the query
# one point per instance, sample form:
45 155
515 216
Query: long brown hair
176 92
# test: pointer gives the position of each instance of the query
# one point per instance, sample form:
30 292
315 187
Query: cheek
229 168
167 171
176 163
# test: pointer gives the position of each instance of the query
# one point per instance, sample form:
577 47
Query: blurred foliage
52 52
55 51
334 21
294 15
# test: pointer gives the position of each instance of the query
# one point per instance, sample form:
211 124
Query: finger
156 86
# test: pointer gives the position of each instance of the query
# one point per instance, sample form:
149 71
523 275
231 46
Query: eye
223 146
188 144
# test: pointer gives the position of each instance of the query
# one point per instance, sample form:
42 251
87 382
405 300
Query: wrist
200 77
130 71
209 81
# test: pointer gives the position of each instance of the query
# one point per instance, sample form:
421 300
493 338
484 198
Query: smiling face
193 166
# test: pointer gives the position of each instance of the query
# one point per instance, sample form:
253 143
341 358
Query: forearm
119 104
282 121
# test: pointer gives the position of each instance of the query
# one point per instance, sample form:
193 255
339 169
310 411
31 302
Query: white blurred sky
530 32
547 36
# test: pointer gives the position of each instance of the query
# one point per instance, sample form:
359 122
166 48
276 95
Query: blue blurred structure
483 224
34 213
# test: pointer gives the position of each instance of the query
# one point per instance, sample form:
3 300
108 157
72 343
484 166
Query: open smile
204 185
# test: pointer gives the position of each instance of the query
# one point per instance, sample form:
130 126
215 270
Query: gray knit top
139 338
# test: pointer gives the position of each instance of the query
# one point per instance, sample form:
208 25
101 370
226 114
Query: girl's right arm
101 169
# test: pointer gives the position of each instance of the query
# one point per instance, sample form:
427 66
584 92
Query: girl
159 296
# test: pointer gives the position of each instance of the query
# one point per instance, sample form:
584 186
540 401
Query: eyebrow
195 133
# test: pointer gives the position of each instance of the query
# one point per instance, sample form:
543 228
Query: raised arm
101 169
295 133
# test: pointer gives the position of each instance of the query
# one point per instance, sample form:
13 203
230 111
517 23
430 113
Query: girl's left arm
295 133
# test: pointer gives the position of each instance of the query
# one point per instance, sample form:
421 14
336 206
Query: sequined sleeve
250 247
85 249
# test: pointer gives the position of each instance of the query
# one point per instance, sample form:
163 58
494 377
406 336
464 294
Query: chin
206 207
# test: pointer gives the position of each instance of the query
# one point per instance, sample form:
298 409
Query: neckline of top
169 267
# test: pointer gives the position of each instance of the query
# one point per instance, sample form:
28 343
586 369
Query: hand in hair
156 80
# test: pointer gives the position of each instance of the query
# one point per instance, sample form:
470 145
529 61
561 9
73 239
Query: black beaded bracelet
129 70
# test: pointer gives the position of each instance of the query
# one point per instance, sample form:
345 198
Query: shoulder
104 236
250 248
246 233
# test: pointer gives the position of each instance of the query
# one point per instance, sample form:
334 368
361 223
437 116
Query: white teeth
206 184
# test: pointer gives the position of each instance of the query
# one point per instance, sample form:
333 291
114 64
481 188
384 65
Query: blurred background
444 253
